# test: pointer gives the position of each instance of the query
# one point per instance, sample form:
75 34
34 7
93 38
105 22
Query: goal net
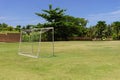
37 42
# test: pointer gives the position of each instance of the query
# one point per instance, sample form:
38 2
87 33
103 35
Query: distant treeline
67 26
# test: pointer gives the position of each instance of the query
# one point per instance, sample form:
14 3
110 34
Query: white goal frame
41 30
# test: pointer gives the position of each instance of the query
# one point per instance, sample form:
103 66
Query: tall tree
109 31
54 18
52 15
78 25
100 29
116 29
65 26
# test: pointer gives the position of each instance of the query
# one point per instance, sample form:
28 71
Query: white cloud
108 17
115 12
13 21
2 17
37 21
7 18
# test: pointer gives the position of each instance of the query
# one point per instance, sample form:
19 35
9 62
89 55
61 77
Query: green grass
74 60
5 32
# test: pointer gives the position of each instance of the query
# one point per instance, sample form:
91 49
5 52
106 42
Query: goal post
37 42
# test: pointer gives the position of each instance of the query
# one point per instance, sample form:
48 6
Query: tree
18 28
116 29
52 15
65 26
10 28
54 18
78 25
90 32
39 25
100 29
109 31
29 26
3 26
0 27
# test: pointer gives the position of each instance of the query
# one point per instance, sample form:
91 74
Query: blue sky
22 12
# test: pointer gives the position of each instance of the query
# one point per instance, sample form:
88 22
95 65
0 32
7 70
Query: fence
10 37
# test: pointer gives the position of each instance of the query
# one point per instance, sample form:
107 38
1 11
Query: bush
114 36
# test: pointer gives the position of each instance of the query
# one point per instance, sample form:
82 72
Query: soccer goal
37 42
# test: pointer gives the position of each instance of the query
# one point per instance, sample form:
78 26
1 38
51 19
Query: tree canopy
67 26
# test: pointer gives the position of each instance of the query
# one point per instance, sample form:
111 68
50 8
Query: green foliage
6 28
65 26
10 28
18 28
77 25
114 36
3 27
52 15
102 30
34 36
116 29
101 26
55 17
25 38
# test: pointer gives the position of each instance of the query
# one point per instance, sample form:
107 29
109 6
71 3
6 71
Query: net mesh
37 42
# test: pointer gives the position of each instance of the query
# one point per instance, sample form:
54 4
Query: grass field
74 60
